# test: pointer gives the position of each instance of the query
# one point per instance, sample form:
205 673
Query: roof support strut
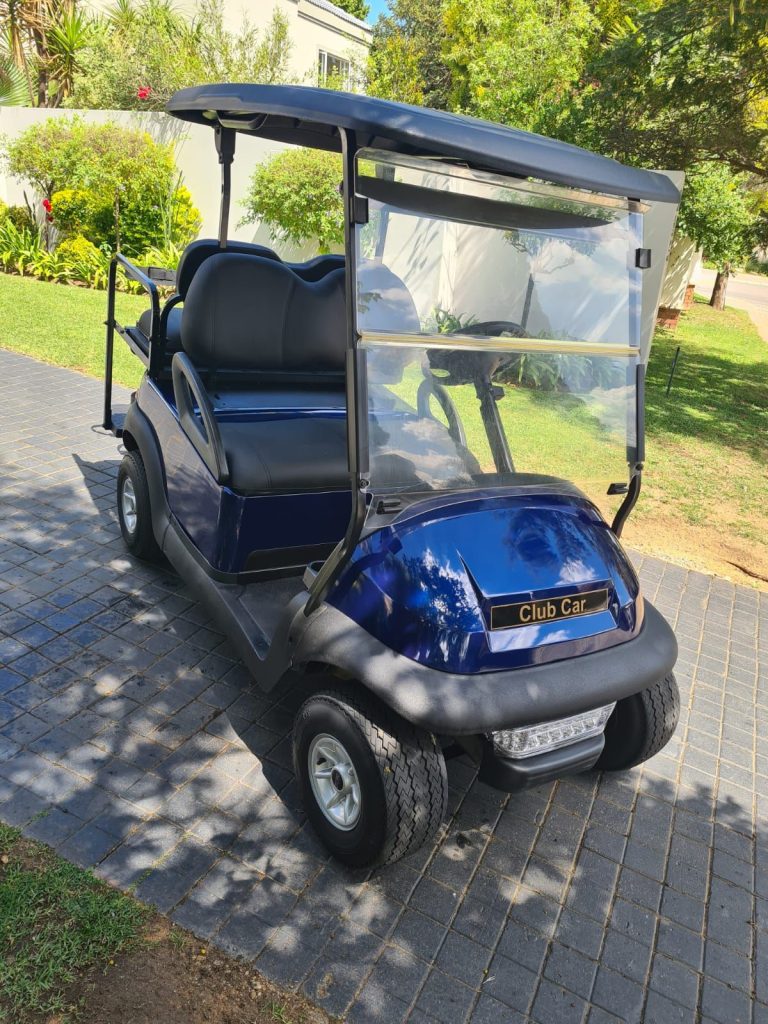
225 147
356 384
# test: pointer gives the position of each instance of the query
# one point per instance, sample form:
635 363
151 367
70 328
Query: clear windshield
499 320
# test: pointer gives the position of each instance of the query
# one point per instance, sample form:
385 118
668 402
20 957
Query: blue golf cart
404 470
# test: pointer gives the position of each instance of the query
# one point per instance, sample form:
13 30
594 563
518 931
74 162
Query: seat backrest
197 252
202 249
246 312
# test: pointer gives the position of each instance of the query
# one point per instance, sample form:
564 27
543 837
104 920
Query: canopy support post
225 147
355 213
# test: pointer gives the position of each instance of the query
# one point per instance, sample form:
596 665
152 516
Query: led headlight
536 739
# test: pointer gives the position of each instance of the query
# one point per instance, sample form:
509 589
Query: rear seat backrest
197 252
246 312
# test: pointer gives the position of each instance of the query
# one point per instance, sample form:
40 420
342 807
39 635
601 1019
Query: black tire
137 535
400 771
640 726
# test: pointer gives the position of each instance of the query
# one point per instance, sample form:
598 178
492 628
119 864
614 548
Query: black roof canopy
305 116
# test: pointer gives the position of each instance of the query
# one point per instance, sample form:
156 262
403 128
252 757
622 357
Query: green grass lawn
55 922
705 492
708 441
64 325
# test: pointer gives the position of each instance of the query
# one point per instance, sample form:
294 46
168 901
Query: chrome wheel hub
334 782
128 505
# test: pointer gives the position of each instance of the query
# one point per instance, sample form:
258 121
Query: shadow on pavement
133 742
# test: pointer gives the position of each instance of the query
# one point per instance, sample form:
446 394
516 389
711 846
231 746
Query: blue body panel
227 527
425 585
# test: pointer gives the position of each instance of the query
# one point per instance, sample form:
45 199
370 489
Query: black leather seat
287 455
251 313
197 252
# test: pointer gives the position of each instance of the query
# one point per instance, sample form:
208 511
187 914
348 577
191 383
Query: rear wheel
133 508
374 786
640 726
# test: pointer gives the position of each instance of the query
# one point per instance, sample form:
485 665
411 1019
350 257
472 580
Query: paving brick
445 999
675 981
464 959
724 1004
511 983
661 1010
616 993
555 1005
491 1011
420 935
88 846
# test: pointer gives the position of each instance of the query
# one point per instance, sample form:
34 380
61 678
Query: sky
377 6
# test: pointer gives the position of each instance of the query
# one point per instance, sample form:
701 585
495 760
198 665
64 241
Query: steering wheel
464 366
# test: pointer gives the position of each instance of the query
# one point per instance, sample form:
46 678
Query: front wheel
640 726
374 786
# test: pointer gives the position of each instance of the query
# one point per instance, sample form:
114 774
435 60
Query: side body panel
227 527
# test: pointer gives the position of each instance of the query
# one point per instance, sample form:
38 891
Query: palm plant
14 90
66 37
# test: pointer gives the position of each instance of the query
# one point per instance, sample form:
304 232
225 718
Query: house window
331 67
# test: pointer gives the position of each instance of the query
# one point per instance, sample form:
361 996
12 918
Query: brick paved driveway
131 741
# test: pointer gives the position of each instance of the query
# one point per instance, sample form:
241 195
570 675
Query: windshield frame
557 201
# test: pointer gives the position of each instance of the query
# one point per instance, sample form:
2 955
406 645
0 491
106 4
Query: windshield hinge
643 258
388 506
360 210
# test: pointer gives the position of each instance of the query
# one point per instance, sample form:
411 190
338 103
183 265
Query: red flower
144 92
47 205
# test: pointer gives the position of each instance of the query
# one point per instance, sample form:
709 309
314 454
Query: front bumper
510 774
461 705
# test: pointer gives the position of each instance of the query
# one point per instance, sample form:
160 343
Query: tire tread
412 769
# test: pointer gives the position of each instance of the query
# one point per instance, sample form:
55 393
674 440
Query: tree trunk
717 300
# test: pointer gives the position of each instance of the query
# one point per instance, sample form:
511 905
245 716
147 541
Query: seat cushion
306 453
172 330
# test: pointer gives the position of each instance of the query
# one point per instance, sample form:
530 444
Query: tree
13 85
112 185
144 51
65 40
680 83
357 8
718 213
514 61
296 193
407 61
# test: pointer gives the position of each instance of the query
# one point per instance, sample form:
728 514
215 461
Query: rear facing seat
198 252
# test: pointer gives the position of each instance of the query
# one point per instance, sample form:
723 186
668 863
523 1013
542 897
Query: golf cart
373 468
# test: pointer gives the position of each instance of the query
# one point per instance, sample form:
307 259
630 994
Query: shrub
71 209
144 50
115 186
20 217
20 247
296 193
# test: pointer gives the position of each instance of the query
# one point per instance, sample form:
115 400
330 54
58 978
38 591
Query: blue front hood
426 584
